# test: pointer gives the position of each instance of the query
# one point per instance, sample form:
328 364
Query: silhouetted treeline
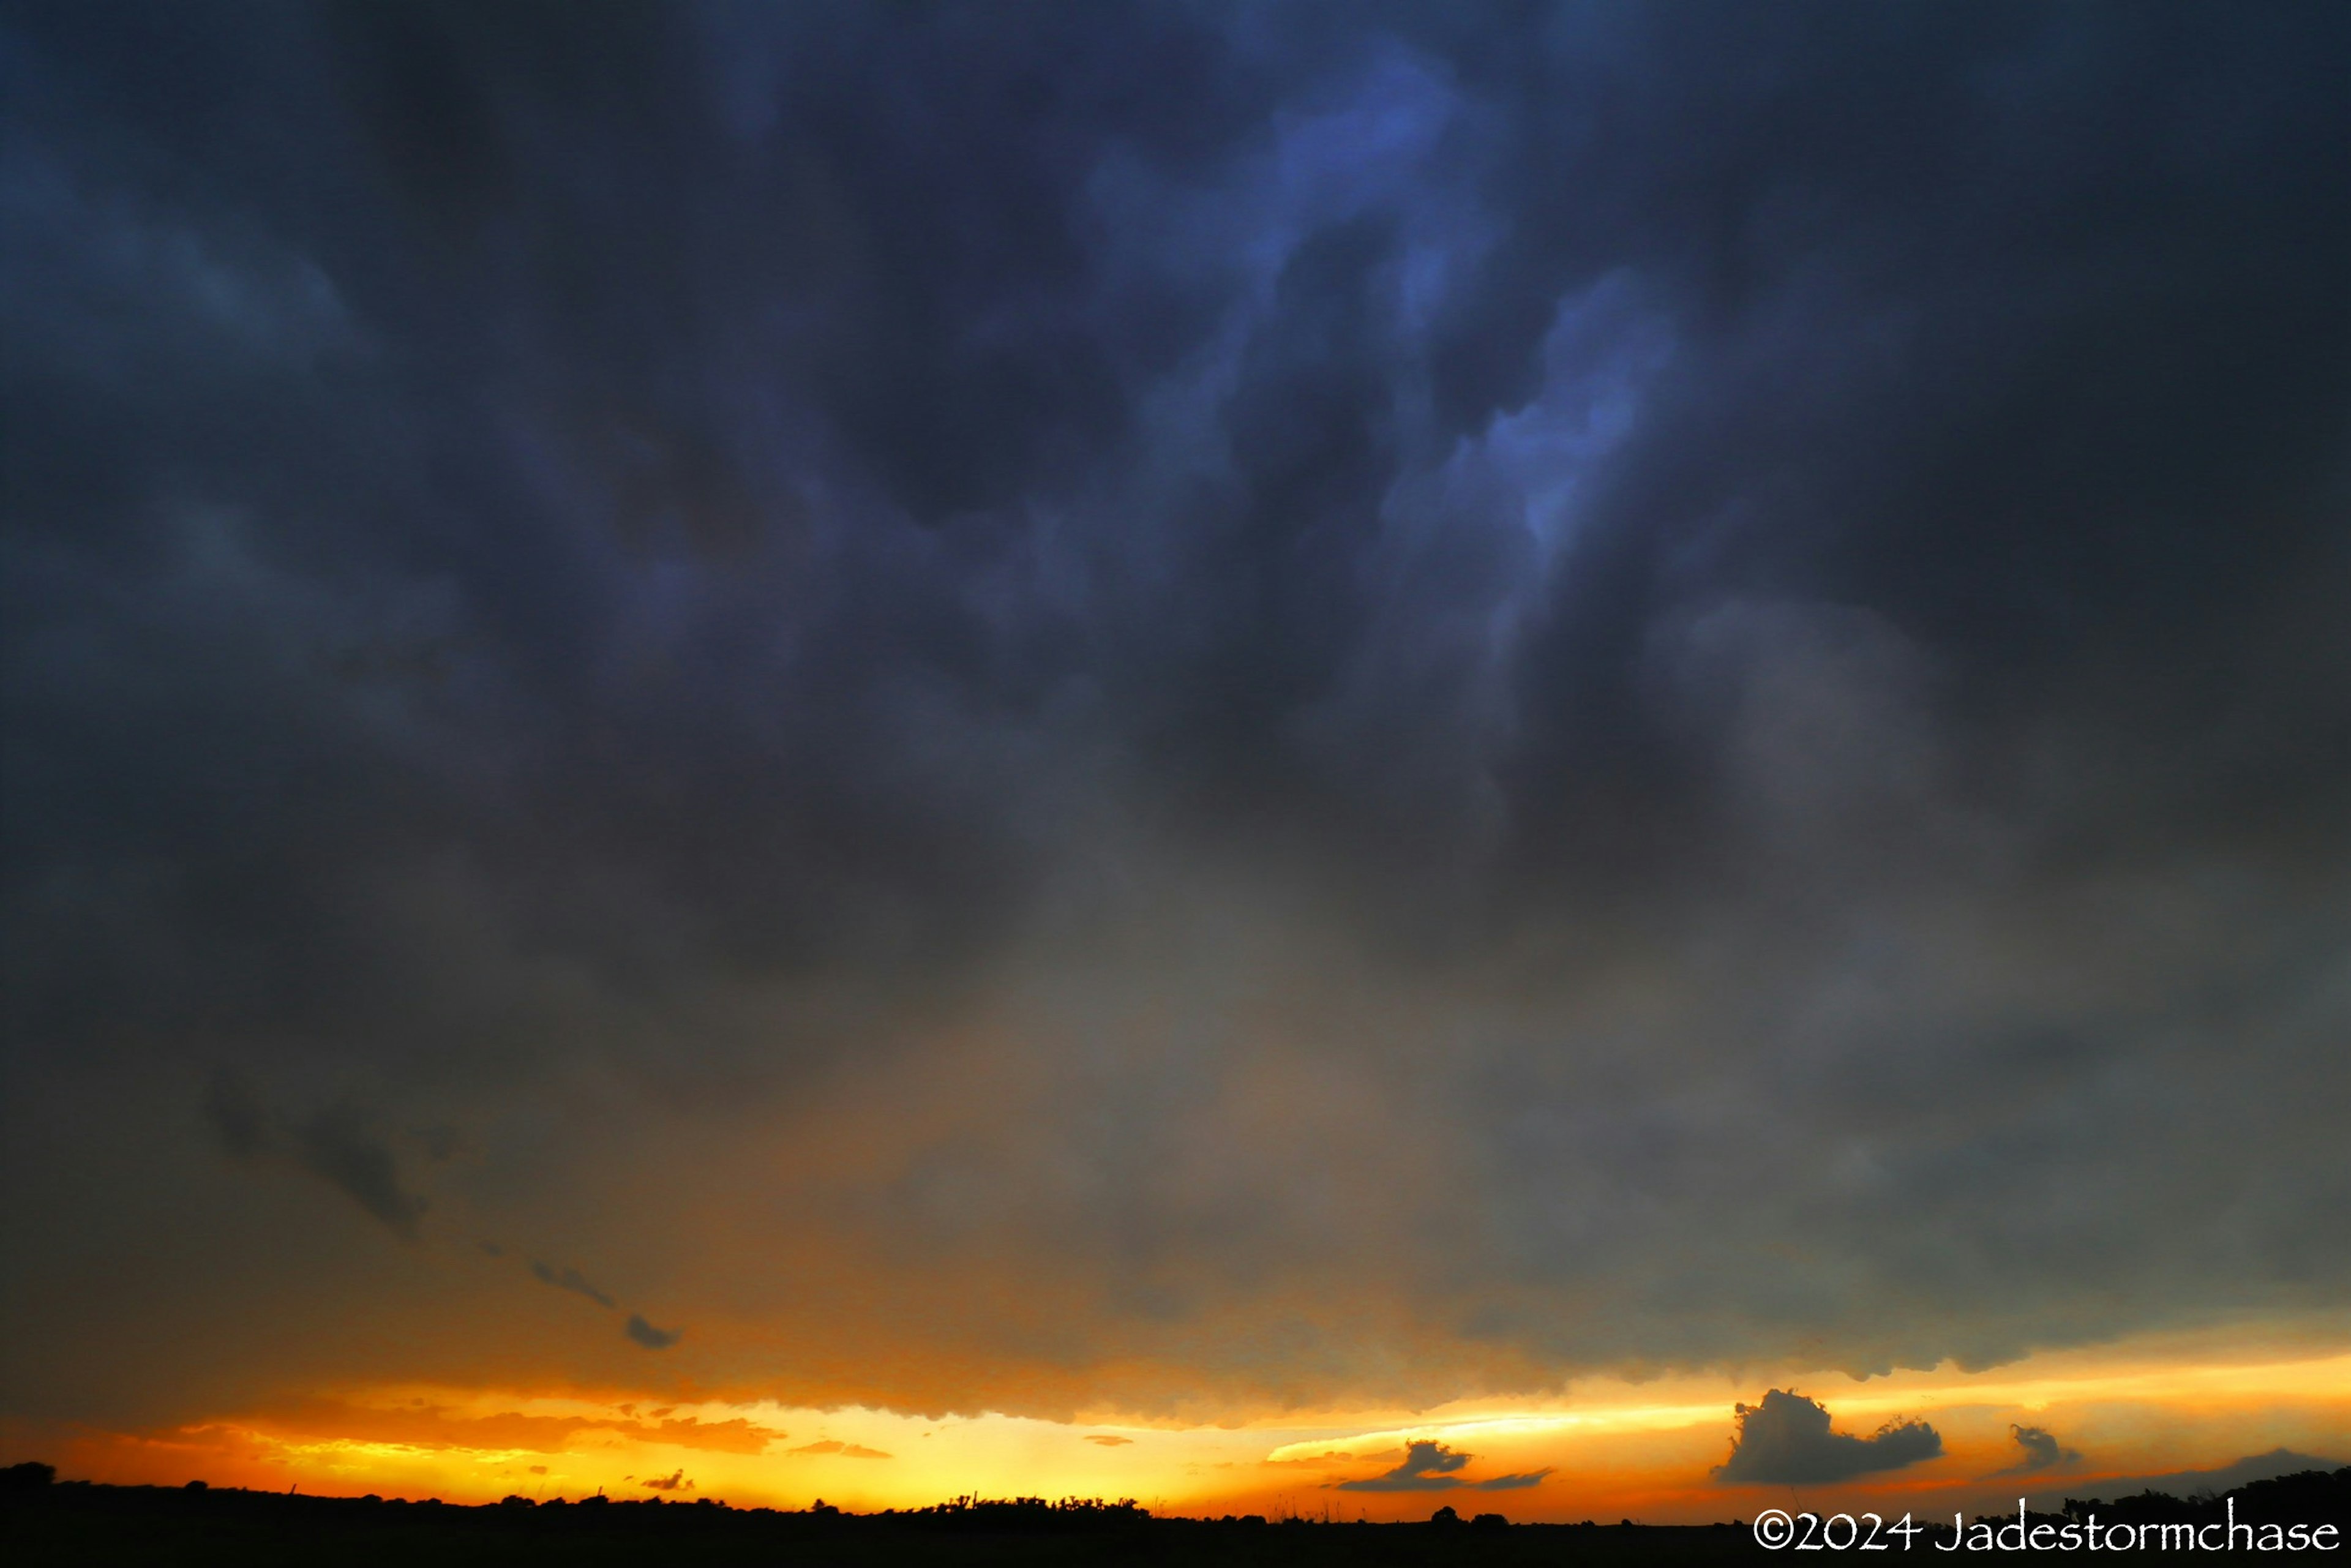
2307 1499
45 1521
2308 1496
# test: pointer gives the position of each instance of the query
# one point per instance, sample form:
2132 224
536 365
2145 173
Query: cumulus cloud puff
1786 1440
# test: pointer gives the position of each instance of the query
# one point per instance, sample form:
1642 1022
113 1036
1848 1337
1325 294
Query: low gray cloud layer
1474 695
1786 1440
569 1279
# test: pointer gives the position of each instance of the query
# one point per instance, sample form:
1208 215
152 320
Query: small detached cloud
1106 1440
2041 1451
651 1338
1786 1440
841 1451
570 1279
1427 1466
1430 1465
674 1482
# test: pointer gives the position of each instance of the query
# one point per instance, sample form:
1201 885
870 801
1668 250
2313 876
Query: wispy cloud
570 1279
839 1449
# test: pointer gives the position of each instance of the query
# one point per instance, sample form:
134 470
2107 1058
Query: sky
1585 760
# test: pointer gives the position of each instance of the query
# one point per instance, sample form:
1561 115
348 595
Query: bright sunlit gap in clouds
2127 1411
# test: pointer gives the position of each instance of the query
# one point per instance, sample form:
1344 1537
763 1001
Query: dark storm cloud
651 1338
1786 1440
1743 603
2041 1450
738 285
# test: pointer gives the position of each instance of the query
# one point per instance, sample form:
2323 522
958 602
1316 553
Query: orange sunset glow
1434 765
1607 1447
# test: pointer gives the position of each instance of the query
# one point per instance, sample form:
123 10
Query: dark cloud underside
1187 702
